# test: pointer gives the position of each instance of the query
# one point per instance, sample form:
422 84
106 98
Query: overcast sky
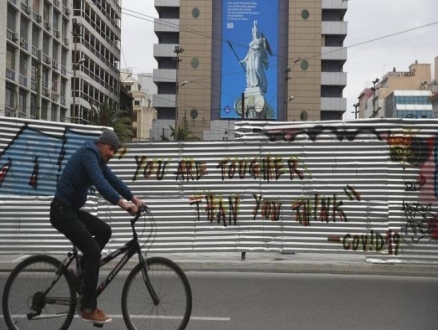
377 39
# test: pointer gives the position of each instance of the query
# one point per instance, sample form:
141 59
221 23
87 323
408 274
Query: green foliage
109 115
183 133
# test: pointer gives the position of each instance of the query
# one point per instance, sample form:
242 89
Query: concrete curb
274 263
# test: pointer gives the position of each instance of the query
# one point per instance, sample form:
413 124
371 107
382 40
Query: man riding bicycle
88 167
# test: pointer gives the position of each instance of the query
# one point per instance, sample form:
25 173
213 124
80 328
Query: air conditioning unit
22 41
67 11
47 59
39 19
47 25
27 10
57 34
15 37
55 64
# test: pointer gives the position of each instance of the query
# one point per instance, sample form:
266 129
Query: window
23 65
44 109
11 20
10 59
54 83
36 6
53 113
33 106
35 38
24 33
22 102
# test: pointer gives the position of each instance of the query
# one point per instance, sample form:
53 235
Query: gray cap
109 137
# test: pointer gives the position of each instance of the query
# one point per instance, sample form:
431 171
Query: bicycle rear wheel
32 299
173 290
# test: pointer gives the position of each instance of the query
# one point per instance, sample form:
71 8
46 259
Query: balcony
55 96
25 8
334 53
334 28
334 78
166 25
22 80
10 74
11 35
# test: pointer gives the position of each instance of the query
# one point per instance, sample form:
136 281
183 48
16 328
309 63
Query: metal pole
356 105
243 106
178 50
74 77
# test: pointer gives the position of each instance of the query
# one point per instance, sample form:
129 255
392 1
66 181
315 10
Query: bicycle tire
25 286
172 288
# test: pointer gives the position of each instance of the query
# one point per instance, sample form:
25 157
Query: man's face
107 151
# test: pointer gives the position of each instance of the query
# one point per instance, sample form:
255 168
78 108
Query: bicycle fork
147 281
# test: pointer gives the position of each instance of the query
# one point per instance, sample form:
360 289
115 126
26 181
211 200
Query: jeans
89 234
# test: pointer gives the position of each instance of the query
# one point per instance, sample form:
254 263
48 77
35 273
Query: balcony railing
10 74
23 80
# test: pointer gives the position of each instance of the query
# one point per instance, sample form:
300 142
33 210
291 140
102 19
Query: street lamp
178 50
356 105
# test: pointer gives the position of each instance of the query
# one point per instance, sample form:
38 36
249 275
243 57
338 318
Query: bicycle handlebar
141 209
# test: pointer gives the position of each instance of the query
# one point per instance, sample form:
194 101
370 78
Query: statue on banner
257 61
255 65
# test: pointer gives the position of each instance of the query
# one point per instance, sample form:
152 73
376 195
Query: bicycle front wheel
36 297
171 312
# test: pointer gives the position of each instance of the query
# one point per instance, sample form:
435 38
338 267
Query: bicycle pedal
98 325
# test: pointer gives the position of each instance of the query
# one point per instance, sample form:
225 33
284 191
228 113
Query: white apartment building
60 58
34 52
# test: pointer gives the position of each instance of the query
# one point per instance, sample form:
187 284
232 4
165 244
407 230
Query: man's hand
138 202
129 207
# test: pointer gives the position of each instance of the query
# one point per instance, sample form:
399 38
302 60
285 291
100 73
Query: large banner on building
249 59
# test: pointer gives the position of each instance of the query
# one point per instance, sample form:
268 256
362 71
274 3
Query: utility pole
356 105
374 89
178 50
76 33
38 72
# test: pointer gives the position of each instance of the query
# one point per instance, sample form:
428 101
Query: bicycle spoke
173 292
36 298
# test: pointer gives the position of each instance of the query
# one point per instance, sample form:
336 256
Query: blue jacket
84 169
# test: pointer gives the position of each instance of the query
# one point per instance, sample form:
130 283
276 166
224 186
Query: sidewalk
275 262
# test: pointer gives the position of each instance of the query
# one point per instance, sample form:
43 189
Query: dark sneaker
96 316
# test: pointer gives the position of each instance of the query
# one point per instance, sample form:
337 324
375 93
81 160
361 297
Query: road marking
192 318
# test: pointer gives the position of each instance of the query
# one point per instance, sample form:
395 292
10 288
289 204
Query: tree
109 115
183 133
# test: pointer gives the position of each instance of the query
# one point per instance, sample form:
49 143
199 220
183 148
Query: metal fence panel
365 186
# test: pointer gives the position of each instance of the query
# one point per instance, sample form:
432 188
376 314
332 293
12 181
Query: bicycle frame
128 250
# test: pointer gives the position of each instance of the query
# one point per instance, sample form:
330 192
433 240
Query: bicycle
41 293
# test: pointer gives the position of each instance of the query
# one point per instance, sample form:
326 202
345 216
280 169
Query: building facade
143 114
62 58
95 56
34 45
373 101
222 61
409 104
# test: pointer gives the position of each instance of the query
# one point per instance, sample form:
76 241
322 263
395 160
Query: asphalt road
261 301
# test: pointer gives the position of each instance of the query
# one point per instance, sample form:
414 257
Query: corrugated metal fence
365 187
